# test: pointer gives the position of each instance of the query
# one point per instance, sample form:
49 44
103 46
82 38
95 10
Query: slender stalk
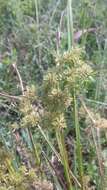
37 12
78 143
64 157
49 143
70 25
97 98
96 142
76 123
57 155
35 151
36 2
19 77
10 167
54 171
15 98
102 60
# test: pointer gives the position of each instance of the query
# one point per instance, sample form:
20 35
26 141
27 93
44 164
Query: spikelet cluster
70 71
74 70
56 91
53 120
72 58
29 116
57 100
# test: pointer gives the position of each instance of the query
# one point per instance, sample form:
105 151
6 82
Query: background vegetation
53 94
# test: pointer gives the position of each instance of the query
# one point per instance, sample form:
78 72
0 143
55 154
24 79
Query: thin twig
87 111
55 171
57 155
19 77
96 102
97 146
4 95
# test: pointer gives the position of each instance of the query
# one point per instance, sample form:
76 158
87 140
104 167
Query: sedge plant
76 123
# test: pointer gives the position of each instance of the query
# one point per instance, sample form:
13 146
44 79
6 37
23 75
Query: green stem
76 123
35 151
57 155
48 142
70 24
78 143
37 12
64 157
37 22
10 167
